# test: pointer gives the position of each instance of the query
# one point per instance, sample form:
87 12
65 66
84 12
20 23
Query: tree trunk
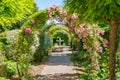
113 40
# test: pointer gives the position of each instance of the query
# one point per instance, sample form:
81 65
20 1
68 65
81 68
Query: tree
99 11
12 11
18 24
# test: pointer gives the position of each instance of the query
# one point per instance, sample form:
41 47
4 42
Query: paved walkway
58 63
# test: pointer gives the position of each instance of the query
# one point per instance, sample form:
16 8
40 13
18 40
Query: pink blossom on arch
33 21
95 54
68 18
101 39
85 46
105 43
89 50
49 11
81 29
60 11
74 16
50 17
73 23
95 44
54 7
90 34
78 40
85 34
76 31
65 20
60 19
97 68
57 8
100 32
64 13
100 49
71 29
51 8
84 40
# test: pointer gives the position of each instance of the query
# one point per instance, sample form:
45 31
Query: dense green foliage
43 49
40 18
118 60
3 78
63 37
11 68
93 10
17 45
54 29
82 61
12 11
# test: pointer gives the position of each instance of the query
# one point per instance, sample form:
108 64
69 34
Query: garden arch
56 29
39 19
87 33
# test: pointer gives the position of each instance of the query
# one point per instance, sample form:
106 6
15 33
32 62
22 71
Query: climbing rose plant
89 34
58 13
33 21
93 43
24 53
72 21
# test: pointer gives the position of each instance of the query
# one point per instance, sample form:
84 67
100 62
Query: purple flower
28 30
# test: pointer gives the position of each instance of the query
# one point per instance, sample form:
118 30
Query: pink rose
33 21
28 30
74 17
64 13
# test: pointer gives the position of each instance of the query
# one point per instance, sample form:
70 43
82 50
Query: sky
43 4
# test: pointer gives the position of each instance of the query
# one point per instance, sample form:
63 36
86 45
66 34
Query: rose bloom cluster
28 30
92 41
52 11
72 21
91 37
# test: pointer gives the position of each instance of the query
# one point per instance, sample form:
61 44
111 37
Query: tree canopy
12 11
93 10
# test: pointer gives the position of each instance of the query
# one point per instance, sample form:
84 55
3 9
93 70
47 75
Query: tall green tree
99 11
12 11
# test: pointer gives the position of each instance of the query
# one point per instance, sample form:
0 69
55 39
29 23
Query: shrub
10 47
82 59
3 78
42 51
24 56
11 68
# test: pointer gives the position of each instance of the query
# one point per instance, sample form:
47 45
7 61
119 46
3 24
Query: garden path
59 66
58 63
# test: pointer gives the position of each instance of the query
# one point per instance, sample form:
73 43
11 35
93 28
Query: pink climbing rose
28 30
74 16
33 21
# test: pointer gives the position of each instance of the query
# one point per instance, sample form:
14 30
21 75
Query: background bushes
43 49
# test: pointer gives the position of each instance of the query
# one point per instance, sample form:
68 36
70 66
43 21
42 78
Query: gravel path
58 66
